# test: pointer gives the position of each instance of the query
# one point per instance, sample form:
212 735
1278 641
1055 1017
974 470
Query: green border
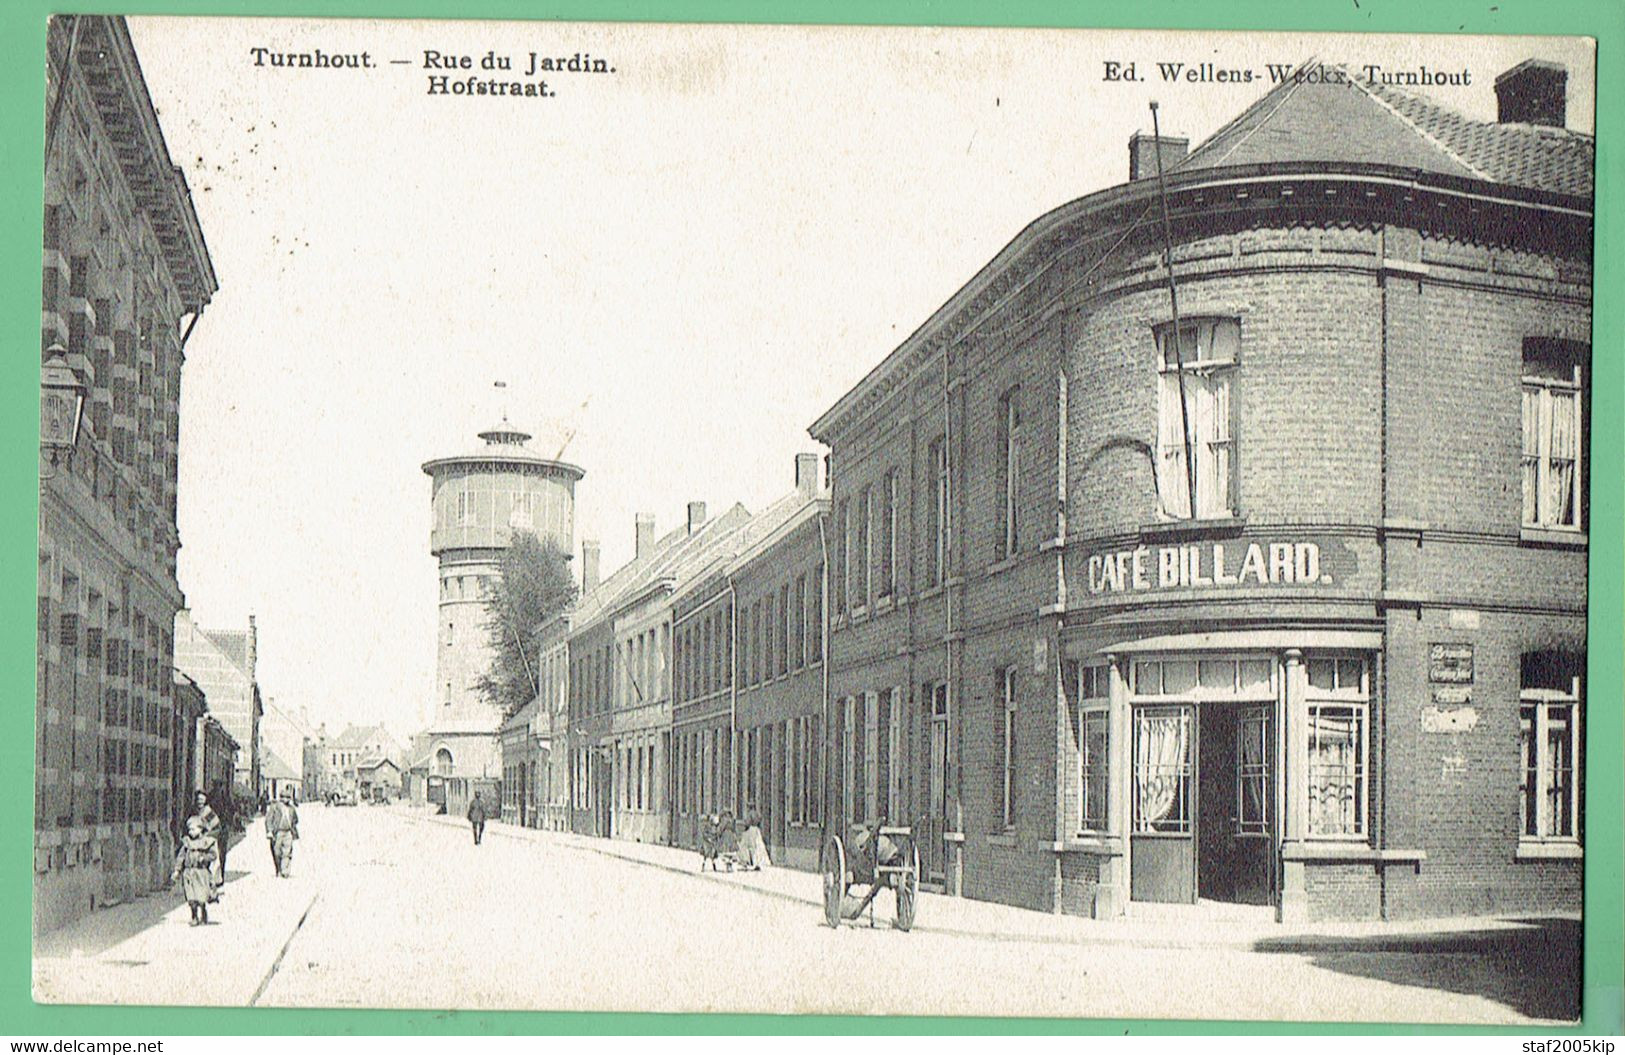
22 25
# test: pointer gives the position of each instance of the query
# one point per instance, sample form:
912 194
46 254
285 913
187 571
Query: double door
1203 803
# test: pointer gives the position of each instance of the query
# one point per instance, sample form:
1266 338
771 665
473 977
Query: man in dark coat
476 817
220 799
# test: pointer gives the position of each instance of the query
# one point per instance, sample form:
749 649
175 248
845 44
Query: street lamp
61 406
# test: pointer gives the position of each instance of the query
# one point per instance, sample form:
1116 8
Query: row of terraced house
1276 600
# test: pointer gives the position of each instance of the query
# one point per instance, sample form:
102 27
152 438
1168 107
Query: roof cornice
1113 212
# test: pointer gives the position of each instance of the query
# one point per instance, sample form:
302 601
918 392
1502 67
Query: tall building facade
125 274
1276 601
225 664
478 501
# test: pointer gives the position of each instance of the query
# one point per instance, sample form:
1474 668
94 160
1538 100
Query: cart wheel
833 865
908 889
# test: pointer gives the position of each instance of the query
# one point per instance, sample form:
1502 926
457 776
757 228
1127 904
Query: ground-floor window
1162 770
1005 712
1339 739
1092 727
1549 734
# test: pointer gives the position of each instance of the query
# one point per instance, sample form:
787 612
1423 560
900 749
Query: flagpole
1173 300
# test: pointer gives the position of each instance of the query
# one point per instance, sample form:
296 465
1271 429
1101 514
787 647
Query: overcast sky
678 266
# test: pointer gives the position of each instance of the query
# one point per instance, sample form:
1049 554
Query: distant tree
534 585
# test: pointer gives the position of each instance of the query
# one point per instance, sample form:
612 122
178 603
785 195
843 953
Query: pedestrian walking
192 867
214 828
476 817
281 829
225 809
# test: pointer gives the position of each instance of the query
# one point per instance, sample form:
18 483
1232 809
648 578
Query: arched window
442 762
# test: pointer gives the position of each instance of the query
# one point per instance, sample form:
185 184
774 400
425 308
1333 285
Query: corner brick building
1282 605
125 276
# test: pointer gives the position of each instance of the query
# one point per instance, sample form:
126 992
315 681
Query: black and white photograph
813 520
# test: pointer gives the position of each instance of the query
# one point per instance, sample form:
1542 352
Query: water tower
479 500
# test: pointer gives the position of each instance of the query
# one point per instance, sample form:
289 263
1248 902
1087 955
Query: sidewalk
1179 928
146 947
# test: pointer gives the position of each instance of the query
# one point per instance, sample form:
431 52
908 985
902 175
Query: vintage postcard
801 519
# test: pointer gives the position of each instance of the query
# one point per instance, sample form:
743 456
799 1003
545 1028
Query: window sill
1554 537
953 837
1193 528
1552 851
884 605
1090 845
1001 839
1004 564
1333 852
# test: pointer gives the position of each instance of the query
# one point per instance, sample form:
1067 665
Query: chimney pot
644 534
807 473
696 516
1143 150
1533 92
589 564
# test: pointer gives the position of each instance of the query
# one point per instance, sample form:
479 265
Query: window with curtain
1338 747
1201 365
1549 740
1553 437
1162 770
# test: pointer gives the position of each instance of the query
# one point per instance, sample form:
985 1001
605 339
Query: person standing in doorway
281 829
476 817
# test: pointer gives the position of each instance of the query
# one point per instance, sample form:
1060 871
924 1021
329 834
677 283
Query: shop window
1553 436
1549 735
1339 740
1195 444
1093 725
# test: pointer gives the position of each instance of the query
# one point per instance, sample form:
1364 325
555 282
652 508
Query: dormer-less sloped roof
1351 120
272 767
672 556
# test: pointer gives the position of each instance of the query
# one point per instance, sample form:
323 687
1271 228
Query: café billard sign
1208 565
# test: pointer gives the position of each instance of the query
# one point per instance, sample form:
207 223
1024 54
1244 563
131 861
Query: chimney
589 564
644 539
1143 150
1534 92
807 473
696 516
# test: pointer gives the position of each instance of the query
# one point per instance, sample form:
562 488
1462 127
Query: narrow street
402 910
